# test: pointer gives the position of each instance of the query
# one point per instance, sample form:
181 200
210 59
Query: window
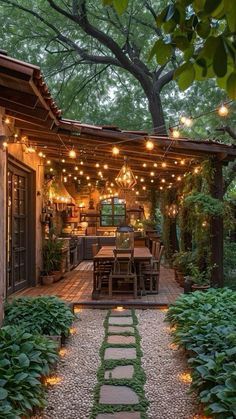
113 212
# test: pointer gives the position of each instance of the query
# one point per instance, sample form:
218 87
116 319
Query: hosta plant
44 315
24 359
205 325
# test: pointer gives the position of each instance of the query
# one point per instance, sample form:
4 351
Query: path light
115 151
185 377
149 145
119 308
63 352
72 154
173 346
52 380
223 110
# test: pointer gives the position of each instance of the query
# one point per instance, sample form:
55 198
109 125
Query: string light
51 169
115 151
163 164
76 168
81 162
152 174
155 165
149 145
72 154
64 170
144 164
97 165
81 172
175 133
105 166
152 180
48 161
40 154
182 162
179 178
7 120
63 160
5 145
223 110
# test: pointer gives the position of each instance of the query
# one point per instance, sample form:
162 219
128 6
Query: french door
18 233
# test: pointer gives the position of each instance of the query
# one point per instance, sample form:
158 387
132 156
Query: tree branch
165 79
227 129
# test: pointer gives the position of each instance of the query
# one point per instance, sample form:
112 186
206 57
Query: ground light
52 380
185 377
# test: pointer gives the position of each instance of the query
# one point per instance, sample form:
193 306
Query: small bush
43 315
24 358
206 327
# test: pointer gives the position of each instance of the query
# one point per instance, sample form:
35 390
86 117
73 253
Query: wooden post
3 218
217 230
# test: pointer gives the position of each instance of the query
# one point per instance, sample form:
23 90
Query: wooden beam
38 113
18 97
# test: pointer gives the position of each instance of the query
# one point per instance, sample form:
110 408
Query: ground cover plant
205 325
24 359
44 315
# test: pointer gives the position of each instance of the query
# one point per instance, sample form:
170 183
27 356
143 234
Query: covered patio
73 190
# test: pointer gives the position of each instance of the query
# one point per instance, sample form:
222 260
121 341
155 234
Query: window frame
112 216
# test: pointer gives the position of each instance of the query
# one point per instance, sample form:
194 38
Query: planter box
57 275
47 279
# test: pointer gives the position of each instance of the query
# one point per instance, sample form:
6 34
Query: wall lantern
125 238
172 210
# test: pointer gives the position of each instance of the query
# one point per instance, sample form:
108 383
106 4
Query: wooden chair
151 274
123 271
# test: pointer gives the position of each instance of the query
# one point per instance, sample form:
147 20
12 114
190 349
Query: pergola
34 119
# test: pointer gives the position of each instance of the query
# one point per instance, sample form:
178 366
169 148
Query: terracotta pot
57 275
179 276
47 279
196 287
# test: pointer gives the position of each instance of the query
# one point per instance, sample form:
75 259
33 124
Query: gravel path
72 398
167 394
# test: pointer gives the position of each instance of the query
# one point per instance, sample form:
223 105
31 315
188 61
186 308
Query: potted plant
52 258
181 264
200 279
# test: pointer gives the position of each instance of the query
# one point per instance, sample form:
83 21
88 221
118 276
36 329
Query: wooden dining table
106 254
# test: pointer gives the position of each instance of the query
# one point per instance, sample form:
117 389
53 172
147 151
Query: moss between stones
136 383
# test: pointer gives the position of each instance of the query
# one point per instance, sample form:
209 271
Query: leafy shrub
206 327
43 315
24 358
230 263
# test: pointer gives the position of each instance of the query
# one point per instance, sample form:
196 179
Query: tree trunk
156 111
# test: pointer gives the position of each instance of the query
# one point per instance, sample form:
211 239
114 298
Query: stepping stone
120 329
119 339
117 313
120 320
119 415
124 371
117 395
120 353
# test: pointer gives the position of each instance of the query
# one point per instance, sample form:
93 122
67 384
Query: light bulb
223 110
63 160
152 174
5 145
48 161
40 154
115 151
155 165
144 164
175 133
76 168
105 166
188 122
149 145
97 165
72 154
81 172
7 120
163 164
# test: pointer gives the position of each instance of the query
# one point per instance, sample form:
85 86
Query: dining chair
123 273
151 275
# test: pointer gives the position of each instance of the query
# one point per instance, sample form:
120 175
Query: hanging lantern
125 238
125 178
